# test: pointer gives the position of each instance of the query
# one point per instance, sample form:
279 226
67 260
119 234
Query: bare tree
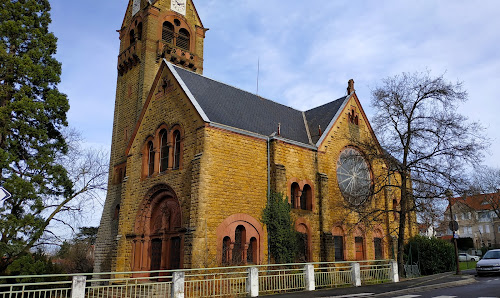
87 169
426 145
486 181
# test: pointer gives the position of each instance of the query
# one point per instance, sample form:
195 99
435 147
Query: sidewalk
442 280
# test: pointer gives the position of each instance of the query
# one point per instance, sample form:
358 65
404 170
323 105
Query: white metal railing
375 271
207 282
281 278
329 275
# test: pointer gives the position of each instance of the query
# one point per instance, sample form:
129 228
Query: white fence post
394 271
356 274
309 277
253 282
78 287
177 285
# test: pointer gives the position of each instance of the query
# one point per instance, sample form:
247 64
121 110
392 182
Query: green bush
433 255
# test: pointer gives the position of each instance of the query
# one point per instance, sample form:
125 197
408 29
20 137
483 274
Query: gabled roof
233 107
236 108
479 202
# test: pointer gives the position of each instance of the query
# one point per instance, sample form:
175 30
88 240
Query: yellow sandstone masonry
223 172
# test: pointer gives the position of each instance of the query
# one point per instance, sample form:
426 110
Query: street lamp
453 228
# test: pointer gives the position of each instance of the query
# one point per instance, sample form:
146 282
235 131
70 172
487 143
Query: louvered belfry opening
168 32
183 39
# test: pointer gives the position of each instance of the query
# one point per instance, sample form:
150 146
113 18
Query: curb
465 281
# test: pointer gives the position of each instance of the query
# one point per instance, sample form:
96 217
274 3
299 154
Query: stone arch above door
159 236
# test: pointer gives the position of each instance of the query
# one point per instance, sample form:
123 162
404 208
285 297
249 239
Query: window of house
183 39
226 243
377 242
480 229
151 158
338 242
139 31
132 36
252 251
306 198
302 248
487 228
463 216
360 249
177 149
163 150
294 194
168 32
468 215
239 245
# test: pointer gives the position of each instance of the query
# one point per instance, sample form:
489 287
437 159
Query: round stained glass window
353 176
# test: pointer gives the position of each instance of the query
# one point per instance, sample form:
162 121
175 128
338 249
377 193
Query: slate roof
236 108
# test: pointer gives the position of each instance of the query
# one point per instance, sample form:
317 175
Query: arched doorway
159 236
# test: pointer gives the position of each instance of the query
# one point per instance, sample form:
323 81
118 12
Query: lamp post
453 228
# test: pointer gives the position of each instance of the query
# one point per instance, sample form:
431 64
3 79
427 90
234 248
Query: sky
306 52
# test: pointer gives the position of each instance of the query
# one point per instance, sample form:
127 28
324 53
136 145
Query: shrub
434 255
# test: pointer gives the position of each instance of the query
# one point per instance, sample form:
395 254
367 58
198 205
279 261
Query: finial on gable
350 87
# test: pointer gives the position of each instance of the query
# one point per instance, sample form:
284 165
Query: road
445 285
485 287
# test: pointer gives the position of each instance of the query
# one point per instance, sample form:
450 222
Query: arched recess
301 194
239 233
339 252
378 244
159 237
359 244
177 140
148 158
302 226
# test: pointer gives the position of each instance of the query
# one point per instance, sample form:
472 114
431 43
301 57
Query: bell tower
152 30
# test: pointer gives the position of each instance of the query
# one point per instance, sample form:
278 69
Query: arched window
226 244
177 149
139 31
338 242
377 243
167 33
360 249
132 36
163 150
306 198
151 158
294 194
252 251
183 39
239 245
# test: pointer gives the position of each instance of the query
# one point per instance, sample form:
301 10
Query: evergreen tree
32 116
283 239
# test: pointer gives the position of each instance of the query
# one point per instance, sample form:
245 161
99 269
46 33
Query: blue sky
308 50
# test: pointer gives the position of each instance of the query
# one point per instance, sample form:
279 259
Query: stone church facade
193 161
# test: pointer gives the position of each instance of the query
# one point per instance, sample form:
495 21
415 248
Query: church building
193 161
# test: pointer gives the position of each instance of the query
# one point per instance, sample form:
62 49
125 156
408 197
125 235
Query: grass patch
468 265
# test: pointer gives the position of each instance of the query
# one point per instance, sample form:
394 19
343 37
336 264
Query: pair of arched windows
239 252
301 198
181 39
135 34
165 154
